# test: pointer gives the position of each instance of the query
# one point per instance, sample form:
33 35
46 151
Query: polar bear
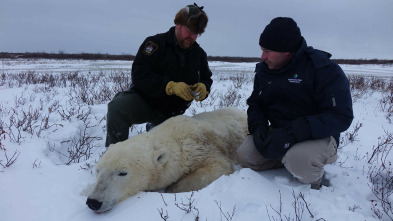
181 154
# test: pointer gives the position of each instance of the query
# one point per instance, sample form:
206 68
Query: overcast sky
358 29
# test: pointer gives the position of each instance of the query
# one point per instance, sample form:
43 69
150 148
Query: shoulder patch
150 48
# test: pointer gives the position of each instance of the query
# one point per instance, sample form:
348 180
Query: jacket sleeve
145 79
256 114
334 103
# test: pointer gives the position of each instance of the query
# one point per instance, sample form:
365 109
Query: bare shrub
360 85
355 207
2 138
36 164
228 216
382 188
299 204
188 205
79 113
389 86
95 88
103 94
14 128
78 147
381 151
350 136
45 124
3 79
231 98
357 82
9 160
380 174
386 103
31 120
121 80
81 145
162 215
32 78
238 80
90 89
377 84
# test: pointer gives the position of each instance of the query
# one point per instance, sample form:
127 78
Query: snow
39 186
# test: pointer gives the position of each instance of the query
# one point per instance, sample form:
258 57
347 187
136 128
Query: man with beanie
170 70
300 104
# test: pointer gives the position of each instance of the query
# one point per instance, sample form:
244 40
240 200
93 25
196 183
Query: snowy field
53 116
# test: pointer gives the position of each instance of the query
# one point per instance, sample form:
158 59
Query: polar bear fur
181 154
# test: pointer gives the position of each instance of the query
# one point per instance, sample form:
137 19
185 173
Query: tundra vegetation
46 103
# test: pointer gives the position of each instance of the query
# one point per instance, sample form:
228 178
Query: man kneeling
300 104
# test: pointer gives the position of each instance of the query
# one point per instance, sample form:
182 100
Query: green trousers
126 109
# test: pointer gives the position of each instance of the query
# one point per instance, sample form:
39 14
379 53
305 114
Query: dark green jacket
158 61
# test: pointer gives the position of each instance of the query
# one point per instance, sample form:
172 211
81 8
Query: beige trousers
304 160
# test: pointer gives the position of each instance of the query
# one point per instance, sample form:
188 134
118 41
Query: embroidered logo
295 79
150 48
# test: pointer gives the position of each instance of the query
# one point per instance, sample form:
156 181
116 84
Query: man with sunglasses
170 70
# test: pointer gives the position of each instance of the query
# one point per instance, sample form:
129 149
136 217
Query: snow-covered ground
40 186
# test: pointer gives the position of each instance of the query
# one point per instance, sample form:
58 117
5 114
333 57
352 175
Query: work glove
200 91
278 141
258 137
179 89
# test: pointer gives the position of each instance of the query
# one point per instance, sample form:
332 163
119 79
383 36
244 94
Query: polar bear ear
160 157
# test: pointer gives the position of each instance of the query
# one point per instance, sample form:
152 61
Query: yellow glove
200 91
179 89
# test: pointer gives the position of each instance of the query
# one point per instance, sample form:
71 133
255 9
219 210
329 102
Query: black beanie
281 35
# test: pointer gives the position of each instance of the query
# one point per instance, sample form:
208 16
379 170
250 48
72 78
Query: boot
321 182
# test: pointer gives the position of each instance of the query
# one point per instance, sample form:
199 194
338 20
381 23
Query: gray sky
358 29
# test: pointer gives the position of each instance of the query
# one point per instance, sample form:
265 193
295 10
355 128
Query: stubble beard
186 43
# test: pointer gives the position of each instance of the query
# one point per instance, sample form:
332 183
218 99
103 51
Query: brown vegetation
126 57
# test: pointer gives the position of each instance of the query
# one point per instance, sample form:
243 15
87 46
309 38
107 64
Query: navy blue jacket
160 60
310 86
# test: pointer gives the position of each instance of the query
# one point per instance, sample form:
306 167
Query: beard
186 43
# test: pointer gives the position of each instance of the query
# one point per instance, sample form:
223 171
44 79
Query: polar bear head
126 168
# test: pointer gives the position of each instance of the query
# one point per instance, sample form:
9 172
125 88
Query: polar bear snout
93 204
110 187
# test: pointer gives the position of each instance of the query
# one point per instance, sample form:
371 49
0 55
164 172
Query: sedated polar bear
181 154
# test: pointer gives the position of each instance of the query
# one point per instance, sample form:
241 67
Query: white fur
181 154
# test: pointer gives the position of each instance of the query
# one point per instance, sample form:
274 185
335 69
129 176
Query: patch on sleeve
150 48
